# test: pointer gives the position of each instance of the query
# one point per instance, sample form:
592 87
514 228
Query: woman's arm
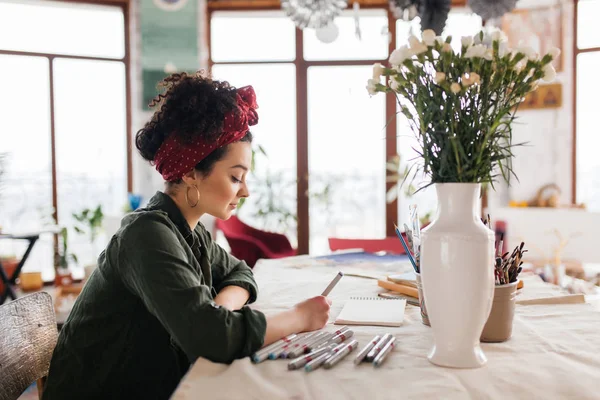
232 297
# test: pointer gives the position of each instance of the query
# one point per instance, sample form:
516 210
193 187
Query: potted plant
461 106
89 223
62 258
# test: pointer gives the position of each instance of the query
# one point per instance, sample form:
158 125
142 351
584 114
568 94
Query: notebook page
372 311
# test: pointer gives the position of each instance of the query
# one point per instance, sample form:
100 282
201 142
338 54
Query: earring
197 198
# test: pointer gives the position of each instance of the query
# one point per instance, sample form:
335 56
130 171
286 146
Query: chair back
28 335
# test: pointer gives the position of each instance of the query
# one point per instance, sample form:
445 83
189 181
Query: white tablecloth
554 352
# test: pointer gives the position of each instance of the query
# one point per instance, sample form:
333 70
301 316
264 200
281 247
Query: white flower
478 50
502 49
399 55
477 39
393 83
440 77
528 51
440 40
420 48
455 88
489 55
554 52
429 37
498 36
377 71
413 41
466 41
475 78
466 80
549 73
520 65
372 86
446 48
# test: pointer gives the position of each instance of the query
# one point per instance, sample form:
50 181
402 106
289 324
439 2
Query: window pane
252 36
588 30
373 44
346 140
90 141
56 27
26 186
588 134
272 201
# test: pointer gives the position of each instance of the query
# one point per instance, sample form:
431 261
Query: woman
164 293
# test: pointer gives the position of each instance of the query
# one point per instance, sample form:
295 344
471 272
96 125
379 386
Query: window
64 125
587 53
320 129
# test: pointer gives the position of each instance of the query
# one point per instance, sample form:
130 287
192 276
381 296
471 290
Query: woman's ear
190 178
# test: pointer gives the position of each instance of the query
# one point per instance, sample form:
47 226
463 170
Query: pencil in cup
301 361
365 350
277 352
410 257
317 362
377 348
340 355
338 338
263 353
380 358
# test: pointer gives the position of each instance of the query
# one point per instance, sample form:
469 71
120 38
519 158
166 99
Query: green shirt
147 311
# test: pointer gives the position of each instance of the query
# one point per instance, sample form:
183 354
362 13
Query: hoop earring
186 196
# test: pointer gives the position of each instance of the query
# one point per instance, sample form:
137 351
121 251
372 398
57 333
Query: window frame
576 52
124 5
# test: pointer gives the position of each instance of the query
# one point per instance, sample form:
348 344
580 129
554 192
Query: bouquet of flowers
461 104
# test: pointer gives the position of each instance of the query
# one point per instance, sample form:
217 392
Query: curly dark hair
191 106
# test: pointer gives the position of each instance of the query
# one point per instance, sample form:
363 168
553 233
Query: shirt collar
164 202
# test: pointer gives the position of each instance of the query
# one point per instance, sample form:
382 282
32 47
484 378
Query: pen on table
263 353
317 362
363 353
380 358
347 349
301 361
339 338
377 348
295 345
301 348
275 353
410 257
332 284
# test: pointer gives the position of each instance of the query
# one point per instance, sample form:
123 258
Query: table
10 281
554 352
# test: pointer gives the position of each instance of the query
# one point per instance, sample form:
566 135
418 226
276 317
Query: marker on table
363 353
384 352
350 347
339 338
377 348
304 359
317 362
301 348
275 353
333 283
263 353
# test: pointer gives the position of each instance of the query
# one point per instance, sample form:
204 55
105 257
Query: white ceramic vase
457 256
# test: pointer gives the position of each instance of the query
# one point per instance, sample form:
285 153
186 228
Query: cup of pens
424 316
498 327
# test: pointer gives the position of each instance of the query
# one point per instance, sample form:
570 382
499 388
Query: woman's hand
314 312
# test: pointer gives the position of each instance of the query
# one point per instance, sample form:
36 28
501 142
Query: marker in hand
332 284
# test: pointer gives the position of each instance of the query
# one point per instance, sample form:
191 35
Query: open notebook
372 311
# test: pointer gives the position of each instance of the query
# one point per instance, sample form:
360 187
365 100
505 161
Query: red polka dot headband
174 157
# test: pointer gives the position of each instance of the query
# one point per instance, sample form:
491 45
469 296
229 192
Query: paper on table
372 311
566 299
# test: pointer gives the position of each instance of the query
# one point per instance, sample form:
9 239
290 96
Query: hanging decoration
405 10
313 13
434 14
491 9
356 9
328 33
